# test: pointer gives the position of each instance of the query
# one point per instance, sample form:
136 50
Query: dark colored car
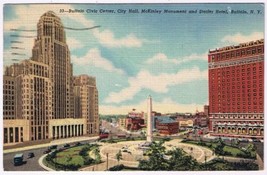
256 140
53 147
66 145
47 151
78 144
30 155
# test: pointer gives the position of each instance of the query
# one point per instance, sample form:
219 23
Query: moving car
18 159
30 155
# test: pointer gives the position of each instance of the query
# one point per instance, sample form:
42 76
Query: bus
18 159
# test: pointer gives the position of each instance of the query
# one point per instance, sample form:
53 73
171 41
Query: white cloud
94 58
240 38
73 43
107 38
27 17
167 105
157 83
161 57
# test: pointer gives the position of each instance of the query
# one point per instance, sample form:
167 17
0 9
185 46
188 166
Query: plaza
131 153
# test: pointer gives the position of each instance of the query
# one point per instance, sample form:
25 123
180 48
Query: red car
200 132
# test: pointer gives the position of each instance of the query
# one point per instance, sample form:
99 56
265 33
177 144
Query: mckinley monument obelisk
149 119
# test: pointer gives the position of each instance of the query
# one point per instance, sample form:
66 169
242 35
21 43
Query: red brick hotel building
236 90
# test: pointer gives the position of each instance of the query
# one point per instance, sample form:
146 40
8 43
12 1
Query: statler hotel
42 100
236 90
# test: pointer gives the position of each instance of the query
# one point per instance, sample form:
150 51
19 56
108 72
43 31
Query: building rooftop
164 119
233 47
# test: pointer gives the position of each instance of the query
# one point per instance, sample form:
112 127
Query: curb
40 161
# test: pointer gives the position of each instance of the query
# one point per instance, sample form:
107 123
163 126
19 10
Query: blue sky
134 55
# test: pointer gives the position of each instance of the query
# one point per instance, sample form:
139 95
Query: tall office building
39 92
86 101
236 90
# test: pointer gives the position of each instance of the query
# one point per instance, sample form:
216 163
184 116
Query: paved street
29 165
32 163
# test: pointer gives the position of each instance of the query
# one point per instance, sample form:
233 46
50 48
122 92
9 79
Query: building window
5 135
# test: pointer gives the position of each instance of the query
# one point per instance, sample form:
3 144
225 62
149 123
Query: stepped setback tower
42 100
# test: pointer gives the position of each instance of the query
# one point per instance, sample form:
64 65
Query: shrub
88 160
72 167
116 168
166 139
84 151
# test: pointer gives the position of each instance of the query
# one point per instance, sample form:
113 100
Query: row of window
8 113
237 72
8 92
8 82
8 97
238 53
236 111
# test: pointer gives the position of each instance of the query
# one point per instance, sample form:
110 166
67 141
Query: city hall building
42 100
236 90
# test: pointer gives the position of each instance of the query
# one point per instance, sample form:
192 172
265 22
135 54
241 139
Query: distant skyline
136 55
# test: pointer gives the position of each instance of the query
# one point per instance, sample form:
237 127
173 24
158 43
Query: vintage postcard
133 87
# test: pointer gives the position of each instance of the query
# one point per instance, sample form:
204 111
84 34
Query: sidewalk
40 161
260 162
54 142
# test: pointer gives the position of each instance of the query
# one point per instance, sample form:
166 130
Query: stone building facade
41 97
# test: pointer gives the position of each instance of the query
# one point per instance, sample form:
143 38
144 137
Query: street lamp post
107 161
205 161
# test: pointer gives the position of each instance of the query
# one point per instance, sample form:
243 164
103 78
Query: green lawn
233 150
70 156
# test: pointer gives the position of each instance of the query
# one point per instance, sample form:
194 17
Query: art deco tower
51 48
39 92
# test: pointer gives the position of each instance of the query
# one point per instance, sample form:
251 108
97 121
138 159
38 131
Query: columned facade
67 128
63 131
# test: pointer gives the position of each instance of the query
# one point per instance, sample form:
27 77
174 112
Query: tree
250 150
118 156
96 152
181 161
172 160
236 142
219 148
156 160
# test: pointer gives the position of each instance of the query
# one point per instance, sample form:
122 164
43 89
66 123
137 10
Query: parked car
47 151
30 155
66 145
243 140
256 140
53 147
78 144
